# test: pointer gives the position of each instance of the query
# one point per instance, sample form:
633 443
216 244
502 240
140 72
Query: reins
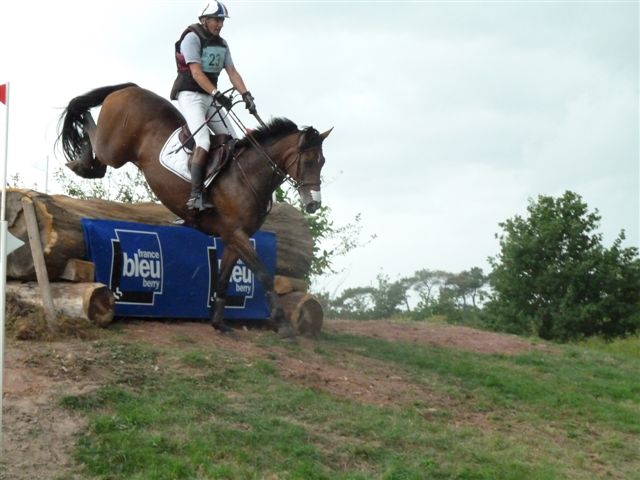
273 165
282 173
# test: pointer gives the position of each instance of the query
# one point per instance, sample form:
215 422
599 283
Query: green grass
577 381
574 413
625 347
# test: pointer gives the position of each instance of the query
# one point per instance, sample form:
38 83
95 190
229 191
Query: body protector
213 51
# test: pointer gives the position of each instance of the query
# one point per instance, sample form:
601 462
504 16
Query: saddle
221 150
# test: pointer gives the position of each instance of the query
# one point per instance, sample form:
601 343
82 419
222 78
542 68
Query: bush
553 278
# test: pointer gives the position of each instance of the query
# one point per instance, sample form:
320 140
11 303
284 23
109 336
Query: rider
201 54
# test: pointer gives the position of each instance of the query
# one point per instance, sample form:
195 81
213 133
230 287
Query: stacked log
59 224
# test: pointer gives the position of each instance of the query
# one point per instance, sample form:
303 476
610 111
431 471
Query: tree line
552 277
422 295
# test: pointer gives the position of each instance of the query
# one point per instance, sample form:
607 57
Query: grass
625 347
573 413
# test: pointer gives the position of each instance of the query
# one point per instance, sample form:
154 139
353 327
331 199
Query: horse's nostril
312 206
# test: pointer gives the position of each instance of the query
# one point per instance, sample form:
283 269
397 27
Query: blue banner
172 271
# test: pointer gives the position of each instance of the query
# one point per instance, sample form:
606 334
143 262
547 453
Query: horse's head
309 164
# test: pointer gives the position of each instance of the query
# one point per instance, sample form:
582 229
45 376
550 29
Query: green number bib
213 59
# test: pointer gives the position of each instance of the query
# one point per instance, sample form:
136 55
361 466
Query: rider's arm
235 78
201 79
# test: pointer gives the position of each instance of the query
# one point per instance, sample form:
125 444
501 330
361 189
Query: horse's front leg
229 258
250 257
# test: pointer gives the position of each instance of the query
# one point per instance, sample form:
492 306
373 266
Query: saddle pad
174 157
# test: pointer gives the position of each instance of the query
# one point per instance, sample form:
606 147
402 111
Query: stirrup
196 202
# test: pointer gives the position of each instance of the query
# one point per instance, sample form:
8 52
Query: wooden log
77 270
304 312
60 229
283 284
89 301
62 238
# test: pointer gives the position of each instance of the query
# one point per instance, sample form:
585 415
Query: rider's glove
249 102
222 100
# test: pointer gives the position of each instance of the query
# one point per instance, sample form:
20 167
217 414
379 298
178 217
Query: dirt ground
38 434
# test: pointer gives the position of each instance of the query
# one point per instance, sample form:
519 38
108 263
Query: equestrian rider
201 54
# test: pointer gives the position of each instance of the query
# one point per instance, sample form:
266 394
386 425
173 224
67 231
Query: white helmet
214 9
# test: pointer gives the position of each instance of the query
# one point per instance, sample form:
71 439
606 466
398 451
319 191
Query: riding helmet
214 9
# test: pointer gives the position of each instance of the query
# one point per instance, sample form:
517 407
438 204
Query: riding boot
198 200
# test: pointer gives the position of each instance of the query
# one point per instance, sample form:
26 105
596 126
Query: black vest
184 80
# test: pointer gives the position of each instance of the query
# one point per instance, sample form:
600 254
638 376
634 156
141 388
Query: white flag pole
3 261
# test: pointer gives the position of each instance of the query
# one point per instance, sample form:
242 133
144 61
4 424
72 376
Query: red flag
3 93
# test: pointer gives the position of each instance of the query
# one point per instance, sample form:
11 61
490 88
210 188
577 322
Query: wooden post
38 260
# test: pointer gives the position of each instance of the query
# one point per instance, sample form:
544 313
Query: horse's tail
73 136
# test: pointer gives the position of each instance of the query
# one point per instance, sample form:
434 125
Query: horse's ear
326 134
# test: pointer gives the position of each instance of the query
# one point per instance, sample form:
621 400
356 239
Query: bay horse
134 124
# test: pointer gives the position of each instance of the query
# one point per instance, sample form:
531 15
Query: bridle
275 168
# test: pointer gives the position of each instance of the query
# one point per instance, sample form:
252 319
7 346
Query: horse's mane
274 130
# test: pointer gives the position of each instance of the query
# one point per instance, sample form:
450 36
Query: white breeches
196 108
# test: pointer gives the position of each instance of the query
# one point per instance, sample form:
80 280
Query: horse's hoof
286 333
225 330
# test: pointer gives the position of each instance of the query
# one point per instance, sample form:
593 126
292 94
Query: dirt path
39 433
449 336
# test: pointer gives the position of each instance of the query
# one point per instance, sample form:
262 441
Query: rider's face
214 24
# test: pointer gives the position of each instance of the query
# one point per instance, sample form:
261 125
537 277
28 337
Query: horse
134 124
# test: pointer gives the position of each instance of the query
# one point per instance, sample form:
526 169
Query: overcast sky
448 116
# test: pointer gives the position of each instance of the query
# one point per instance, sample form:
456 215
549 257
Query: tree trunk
90 301
303 311
62 237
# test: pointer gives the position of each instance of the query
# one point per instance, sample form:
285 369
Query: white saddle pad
174 157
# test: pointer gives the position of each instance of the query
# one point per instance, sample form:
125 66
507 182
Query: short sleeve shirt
191 47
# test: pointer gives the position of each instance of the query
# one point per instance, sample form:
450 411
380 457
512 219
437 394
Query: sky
449 117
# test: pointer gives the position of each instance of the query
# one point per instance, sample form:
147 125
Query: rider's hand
222 100
249 102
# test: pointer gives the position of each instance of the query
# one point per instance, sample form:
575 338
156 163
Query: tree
388 297
427 284
372 303
554 278
355 303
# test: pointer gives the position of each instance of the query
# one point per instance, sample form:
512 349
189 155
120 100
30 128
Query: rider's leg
194 106
198 199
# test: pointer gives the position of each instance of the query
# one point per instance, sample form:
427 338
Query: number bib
213 58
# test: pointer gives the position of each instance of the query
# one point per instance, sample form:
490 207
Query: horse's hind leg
86 165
